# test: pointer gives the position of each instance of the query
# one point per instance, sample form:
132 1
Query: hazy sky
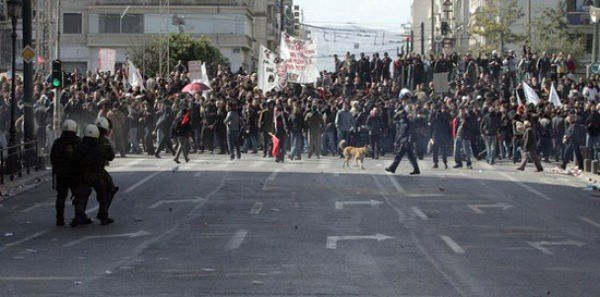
388 15
378 13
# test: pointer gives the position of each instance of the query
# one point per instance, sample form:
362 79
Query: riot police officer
92 155
104 126
404 142
64 172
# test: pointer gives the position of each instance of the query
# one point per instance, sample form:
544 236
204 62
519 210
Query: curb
26 184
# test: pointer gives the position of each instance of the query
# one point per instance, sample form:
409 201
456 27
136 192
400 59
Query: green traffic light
56 82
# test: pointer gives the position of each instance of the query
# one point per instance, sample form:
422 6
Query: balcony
579 18
128 40
174 2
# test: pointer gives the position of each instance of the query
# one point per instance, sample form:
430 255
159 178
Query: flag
554 98
519 101
300 55
267 70
276 145
530 95
594 13
135 78
204 75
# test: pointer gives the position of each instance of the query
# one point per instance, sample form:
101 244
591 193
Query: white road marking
37 205
26 239
418 195
589 221
336 174
128 235
339 205
271 178
526 187
256 208
397 185
332 240
162 202
453 245
236 240
444 173
43 278
540 245
198 174
419 212
141 182
477 207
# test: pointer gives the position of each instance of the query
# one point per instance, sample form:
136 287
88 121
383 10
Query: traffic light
445 28
57 74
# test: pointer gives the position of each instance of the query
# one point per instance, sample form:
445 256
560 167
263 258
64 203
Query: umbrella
195 87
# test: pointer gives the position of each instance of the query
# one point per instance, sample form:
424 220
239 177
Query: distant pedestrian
530 141
182 130
234 125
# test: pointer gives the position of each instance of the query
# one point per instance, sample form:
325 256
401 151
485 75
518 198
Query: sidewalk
26 182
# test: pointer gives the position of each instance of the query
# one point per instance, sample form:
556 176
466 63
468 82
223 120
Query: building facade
464 12
236 27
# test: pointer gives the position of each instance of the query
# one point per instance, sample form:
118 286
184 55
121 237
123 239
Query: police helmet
69 125
102 123
92 131
405 93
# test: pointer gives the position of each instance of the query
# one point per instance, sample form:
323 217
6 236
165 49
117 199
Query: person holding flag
280 121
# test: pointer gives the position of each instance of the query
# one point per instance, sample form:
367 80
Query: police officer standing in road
64 172
104 126
92 155
404 142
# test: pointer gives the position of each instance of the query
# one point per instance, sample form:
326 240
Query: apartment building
236 27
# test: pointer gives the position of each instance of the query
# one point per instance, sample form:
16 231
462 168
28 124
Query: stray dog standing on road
350 152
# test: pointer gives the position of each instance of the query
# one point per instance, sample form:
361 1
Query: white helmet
92 131
102 122
405 93
69 125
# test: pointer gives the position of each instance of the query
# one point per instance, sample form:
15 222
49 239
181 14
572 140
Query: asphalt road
310 228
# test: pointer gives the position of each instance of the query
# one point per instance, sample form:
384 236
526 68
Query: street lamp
14 13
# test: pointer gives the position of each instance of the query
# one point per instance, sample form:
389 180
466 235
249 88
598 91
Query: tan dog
354 153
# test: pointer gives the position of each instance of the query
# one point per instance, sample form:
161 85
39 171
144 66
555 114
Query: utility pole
501 16
433 26
412 40
27 73
422 38
283 18
529 20
595 48
57 29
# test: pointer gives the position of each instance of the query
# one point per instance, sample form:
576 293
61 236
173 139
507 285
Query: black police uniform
403 143
64 170
91 157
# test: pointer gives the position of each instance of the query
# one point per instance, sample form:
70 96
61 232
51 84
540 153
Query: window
114 24
71 66
72 23
109 24
133 23
589 42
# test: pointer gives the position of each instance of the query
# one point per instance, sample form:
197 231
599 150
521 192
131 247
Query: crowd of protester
482 115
